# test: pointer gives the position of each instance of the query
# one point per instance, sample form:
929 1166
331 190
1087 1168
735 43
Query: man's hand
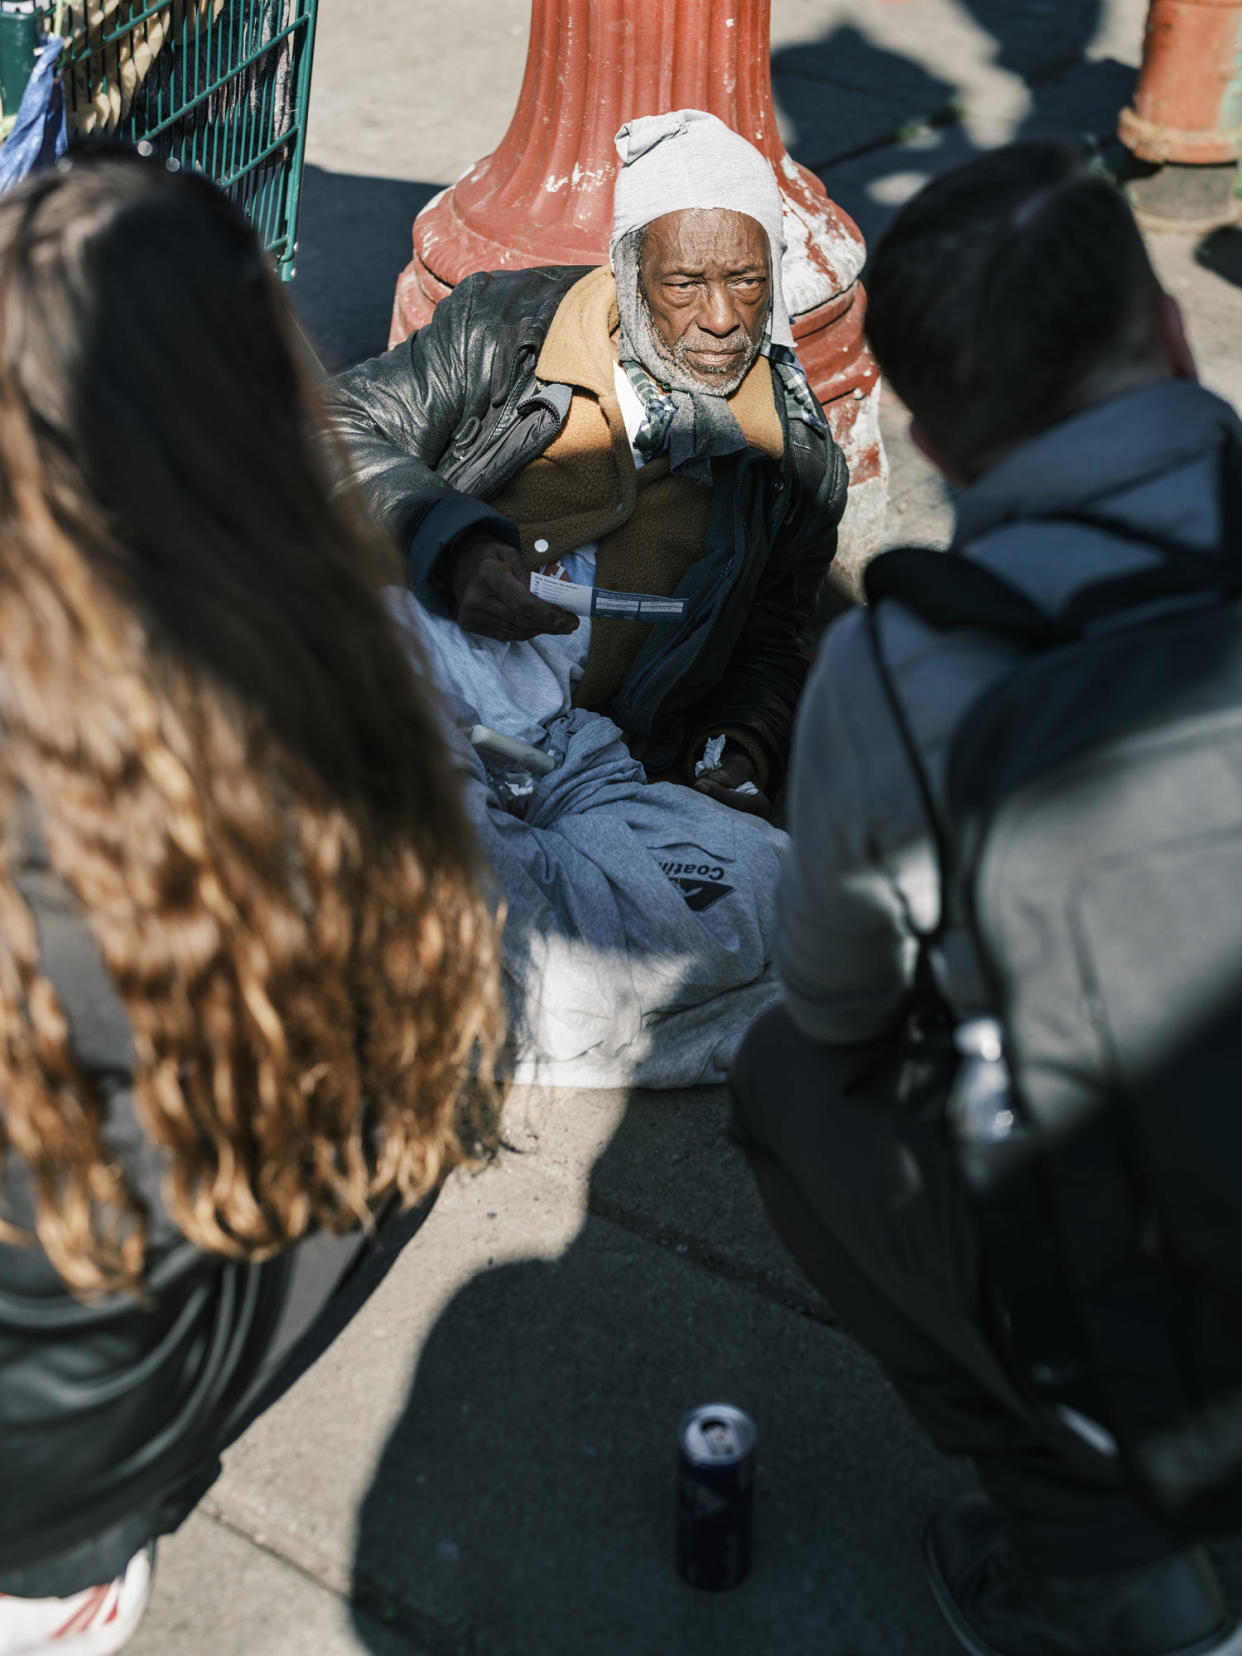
492 591
735 767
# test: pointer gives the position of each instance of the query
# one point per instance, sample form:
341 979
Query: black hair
1004 294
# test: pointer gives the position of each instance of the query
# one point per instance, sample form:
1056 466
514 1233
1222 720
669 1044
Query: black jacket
113 1412
110 1411
440 423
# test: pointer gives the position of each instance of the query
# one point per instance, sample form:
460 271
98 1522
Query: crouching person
1020 1235
243 961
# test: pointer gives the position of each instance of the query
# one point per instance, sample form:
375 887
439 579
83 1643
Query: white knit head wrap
687 159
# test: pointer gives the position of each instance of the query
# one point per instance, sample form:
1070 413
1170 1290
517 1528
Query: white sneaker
94 1622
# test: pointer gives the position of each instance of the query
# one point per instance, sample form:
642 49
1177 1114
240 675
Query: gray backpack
1094 849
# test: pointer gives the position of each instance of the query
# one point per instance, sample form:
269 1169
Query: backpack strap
935 824
972 596
927 1013
1181 573
962 594
976 597
1219 570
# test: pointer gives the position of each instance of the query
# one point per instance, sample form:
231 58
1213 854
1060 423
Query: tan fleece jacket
648 525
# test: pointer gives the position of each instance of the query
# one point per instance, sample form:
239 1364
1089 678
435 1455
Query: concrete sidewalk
483 1460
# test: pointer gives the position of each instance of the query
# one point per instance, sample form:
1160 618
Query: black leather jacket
110 1411
440 423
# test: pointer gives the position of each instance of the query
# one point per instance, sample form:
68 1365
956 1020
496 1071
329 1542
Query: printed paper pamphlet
624 606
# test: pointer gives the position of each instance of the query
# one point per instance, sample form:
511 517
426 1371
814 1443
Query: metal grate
222 85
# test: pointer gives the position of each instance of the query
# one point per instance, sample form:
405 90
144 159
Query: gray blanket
638 944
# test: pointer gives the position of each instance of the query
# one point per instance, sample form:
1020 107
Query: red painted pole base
1188 106
544 196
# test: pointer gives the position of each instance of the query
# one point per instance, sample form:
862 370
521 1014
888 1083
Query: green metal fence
222 85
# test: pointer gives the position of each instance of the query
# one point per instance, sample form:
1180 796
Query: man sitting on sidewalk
643 428
1013 307
637 443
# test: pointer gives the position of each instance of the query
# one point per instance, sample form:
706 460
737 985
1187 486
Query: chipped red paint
544 196
1188 106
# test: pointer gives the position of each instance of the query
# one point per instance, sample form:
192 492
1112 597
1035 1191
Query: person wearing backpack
993 1117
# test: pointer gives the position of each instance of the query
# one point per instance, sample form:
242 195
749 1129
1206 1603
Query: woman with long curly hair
247 972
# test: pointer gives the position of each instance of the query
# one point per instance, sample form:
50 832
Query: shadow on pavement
1221 253
523 1504
876 123
353 243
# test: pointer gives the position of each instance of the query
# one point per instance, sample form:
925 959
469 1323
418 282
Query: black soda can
715 1495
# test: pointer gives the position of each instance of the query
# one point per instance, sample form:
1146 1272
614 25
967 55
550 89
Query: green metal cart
221 85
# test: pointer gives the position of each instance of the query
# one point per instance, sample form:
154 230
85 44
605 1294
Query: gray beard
668 362
704 427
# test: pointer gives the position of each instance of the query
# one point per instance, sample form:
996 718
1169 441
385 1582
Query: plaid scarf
651 438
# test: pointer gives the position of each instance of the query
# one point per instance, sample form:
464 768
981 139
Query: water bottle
980 1106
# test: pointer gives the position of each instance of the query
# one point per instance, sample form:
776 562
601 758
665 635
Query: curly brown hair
234 767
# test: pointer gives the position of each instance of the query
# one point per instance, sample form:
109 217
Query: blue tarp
38 134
